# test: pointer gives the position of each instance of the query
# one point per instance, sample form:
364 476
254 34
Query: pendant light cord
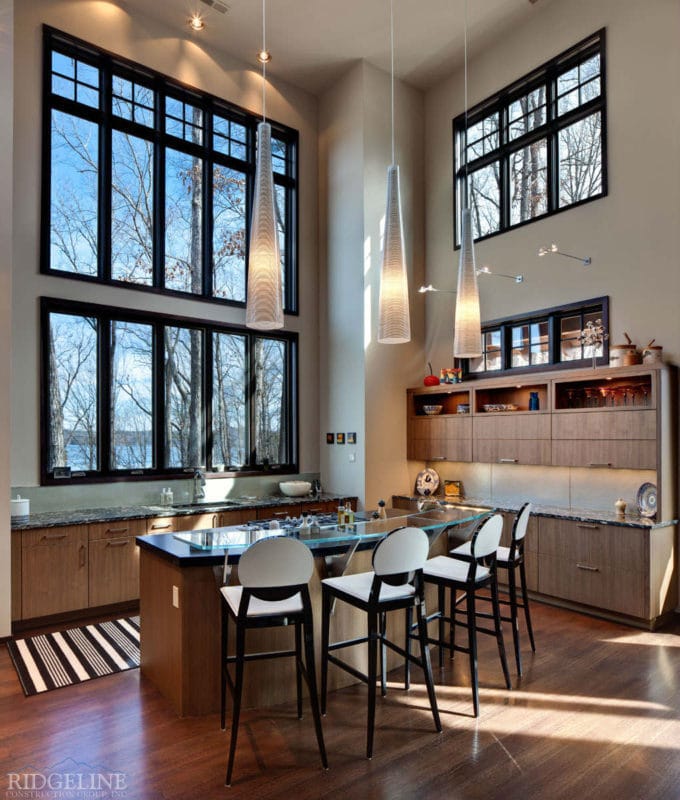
392 72
465 84
264 63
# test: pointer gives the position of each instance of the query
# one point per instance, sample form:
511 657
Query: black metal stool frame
304 631
377 612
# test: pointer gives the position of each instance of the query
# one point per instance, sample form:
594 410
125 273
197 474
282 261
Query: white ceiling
314 41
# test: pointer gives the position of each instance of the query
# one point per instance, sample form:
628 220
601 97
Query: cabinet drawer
618 454
518 451
278 512
531 537
622 591
614 547
614 424
117 529
511 426
114 571
163 524
531 569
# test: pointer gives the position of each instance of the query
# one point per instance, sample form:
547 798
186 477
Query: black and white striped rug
64 658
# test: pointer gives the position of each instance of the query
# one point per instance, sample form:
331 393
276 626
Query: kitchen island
180 575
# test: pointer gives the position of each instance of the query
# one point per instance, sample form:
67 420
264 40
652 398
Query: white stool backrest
278 561
402 550
488 537
520 529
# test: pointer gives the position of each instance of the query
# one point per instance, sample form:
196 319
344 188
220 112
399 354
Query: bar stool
476 571
396 582
274 574
512 558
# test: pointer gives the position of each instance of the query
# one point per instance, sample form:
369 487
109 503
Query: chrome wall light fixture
394 323
554 250
264 301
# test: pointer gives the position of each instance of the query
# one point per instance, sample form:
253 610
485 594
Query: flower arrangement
594 336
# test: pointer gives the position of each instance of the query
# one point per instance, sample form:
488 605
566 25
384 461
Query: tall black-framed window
537 147
548 338
129 393
148 183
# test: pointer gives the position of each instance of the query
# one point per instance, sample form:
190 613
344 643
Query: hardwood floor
597 715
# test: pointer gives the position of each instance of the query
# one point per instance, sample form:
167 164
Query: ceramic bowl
295 488
432 410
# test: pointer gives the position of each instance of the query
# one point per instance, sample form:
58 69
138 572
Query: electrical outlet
352 458
175 596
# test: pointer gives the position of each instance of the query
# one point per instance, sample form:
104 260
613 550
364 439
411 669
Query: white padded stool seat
262 608
359 586
465 549
452 569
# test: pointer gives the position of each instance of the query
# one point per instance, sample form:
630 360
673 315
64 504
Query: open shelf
515 395
450 400
629 392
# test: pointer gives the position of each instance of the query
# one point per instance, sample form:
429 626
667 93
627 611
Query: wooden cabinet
610 567
512 438
113 575
613 438
609 417
16 574
164 524
54 569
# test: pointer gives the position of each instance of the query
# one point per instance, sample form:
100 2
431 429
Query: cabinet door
604 566
613 424
54 570
279 512
163 524
117 529
16 574
616 453
233 517
458 438
509 451
530 550
114 571
512 426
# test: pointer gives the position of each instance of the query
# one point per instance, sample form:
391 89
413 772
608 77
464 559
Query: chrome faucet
199 483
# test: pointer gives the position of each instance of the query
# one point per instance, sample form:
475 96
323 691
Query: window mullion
159 396
105 176
159 191
104 323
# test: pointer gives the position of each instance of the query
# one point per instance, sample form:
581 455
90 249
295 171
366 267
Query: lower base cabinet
530 551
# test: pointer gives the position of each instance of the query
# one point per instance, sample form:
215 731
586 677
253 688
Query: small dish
646 500
427 482
432 411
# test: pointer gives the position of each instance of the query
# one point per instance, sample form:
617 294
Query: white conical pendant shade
264 306
394 326
467 334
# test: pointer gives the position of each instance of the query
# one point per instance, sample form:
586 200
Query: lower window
141 394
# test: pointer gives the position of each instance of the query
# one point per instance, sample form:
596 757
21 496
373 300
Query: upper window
149 184
134 393
540 339
536 147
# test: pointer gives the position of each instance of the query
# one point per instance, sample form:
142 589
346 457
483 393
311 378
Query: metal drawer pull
83 555
588 526
157 527
607 465
588 568
117 542
437 458
315 510
281 514
117 530
52 537
508 460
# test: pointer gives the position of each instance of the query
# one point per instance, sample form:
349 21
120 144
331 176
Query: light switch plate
175 596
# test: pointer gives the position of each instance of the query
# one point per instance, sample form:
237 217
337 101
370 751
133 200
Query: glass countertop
434 522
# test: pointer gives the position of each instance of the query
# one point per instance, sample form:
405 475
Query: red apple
430 380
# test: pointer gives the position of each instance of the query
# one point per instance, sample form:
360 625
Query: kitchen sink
207 505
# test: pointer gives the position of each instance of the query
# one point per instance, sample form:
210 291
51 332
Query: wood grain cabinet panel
54 569
611 424
509 451
530 550
113 575
512 426
443 438
615 453
605 566
117 529
16 574
163 524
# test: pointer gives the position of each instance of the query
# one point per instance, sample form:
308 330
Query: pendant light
467 333
264 304
394 324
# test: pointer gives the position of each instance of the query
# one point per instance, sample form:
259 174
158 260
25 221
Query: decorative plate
427 482
646 500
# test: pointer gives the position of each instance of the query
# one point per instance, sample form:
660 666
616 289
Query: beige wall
362 382
6 179
633 234
148 43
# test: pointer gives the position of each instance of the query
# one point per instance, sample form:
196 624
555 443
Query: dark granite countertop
555 512
83 516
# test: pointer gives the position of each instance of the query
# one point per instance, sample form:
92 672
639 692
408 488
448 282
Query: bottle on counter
314 528
169 497
341 514
349 514
304 525
382 514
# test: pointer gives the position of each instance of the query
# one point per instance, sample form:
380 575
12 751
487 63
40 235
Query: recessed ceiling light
196 22
264 56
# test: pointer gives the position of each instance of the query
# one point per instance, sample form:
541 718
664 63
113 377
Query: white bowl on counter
295 488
